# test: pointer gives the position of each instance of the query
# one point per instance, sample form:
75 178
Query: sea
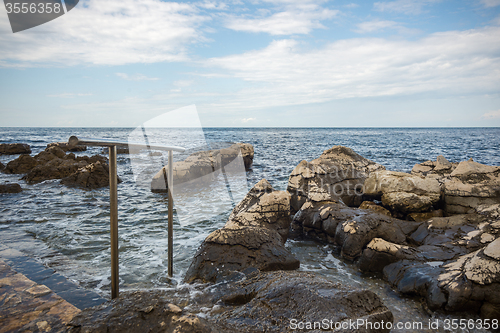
67 229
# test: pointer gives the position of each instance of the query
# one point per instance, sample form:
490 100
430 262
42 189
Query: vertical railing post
113 217
170 184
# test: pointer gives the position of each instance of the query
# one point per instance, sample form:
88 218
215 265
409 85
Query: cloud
246 120
300 19
490 3
375 25
446 64
403 6
111 32
136 77
69 95
491 115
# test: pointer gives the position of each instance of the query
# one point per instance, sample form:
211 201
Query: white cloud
136 77
246 120
111 32
375 25
449 64
69 95
403 6
300 19
491 115
490 3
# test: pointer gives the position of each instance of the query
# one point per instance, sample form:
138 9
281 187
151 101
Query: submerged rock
338 175
14 148
10 188
139 311
203 166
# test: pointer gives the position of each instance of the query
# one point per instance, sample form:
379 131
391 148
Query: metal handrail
113 198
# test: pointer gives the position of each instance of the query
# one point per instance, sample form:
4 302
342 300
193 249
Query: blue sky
270 63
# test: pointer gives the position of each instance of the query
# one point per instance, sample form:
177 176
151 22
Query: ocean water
68 228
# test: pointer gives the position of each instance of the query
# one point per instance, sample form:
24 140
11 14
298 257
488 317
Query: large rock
66 147
469 283
10 188
471 185
91 176
438 169
139 311
234 249
403 192
14 148
263 207
289 301
338 175
202 166
22 164
349 228
253 236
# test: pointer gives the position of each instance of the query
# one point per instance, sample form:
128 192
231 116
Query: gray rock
14 148
337 175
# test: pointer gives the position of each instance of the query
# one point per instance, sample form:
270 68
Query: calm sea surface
68 229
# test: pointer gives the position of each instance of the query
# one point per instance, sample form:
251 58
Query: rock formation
338 175
14 148
10 188
254 236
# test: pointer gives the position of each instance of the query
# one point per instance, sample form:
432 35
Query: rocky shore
433 233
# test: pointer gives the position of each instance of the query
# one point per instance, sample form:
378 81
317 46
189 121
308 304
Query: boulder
349 228
14 148
10 188
247 152
91 176
287 301
22 164
439 169
472 184
201 166
263 207
234 249
138 311
403 192
468 283
66 147
337 175
380 253
374 207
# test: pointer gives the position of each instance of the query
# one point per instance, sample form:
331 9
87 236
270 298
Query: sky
262 63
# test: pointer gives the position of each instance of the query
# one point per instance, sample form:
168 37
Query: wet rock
263 207
139 311
14 148
234 249
374 207
2 166
22 164
419 217
268 302
91 176
471 185
66 147
203 166
349 228
10 188
380 253
403 192
337 175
